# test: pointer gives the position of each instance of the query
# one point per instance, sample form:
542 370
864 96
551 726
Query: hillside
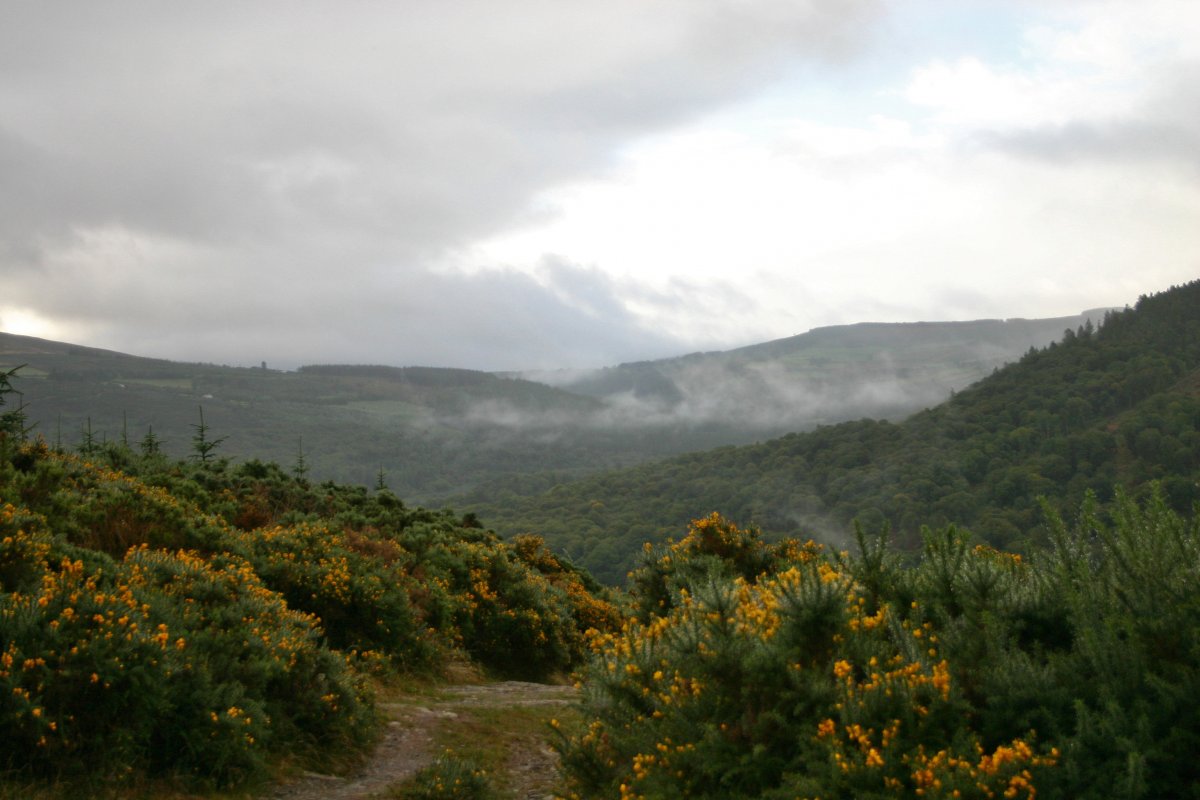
831 374
1117 404
436 432
427 428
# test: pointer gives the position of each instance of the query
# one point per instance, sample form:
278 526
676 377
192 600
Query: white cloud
1015 186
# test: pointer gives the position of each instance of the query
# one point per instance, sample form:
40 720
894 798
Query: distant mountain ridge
436 432
875 369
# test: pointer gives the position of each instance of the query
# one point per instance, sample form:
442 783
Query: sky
539 184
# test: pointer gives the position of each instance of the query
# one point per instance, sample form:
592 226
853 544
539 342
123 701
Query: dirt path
471 713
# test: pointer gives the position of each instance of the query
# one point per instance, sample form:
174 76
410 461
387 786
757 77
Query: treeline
436 432
786 670
196 621
1117 404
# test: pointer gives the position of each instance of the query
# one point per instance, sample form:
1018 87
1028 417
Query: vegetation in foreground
785 670
198 622
450 777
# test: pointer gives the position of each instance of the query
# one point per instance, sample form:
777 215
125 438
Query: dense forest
1115 404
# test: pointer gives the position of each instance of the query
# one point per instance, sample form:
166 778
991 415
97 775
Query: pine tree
151 445
12 423
88 446
300 469
202 446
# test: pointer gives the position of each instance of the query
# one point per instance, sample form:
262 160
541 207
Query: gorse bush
519 619
199 620
159 662
450 777
968 673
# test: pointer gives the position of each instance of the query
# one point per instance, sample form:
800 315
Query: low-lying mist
882 371
758 397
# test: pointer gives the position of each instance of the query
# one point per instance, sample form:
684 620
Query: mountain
827 375
1117 404
425 426
438 432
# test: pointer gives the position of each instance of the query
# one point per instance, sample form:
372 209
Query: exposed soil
417 722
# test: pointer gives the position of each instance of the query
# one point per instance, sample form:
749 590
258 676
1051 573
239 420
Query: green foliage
12 421
201 620
439 432
202 445
1070 672
151 444
516 610
448 778
159 662
300 469
1117 405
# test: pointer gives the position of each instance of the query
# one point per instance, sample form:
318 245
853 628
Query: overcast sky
539 183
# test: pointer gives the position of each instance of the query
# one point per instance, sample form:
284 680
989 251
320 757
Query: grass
390 408
184 384
491 738
495 737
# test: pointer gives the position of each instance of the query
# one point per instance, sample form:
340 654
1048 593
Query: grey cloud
493 320
266 159
443 125
1164 130
1133 140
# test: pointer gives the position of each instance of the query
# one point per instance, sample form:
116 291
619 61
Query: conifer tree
12 422
88 445
202 445
151 445
300 469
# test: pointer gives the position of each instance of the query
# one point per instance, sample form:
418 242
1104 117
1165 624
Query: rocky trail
506 719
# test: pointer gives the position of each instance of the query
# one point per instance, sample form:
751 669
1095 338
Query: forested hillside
436 432
826 375
424 426
1117 404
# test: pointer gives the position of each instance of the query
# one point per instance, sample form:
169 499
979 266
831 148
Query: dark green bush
970 673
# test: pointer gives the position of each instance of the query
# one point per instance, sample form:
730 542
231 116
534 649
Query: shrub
165 663
969 673
450 777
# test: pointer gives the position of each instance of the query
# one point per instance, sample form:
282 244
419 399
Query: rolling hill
1117 404
827 375
437 432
